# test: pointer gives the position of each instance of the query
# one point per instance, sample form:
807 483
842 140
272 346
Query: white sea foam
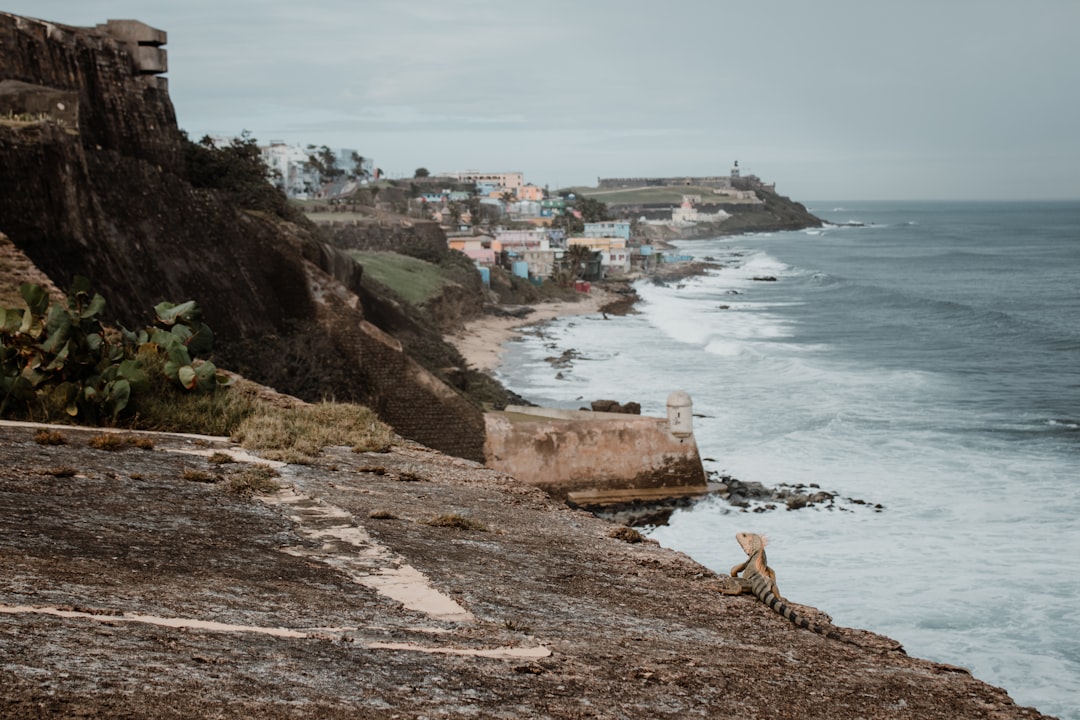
955 451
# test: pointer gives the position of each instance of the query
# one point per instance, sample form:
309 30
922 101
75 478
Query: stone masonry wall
593 457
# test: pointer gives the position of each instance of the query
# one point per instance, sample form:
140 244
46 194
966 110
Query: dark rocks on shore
675 272
755 497
623 304
614 406
641 513
742 496
565 360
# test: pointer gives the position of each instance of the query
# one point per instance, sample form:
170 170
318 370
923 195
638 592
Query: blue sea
926 359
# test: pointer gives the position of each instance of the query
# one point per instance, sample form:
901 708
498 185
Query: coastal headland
148 574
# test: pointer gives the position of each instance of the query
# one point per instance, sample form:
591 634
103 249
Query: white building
293 175
344 161
687 214
290 166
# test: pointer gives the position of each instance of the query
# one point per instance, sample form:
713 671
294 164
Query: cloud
860 97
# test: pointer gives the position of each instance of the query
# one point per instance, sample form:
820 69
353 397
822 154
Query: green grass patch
415 280
167 408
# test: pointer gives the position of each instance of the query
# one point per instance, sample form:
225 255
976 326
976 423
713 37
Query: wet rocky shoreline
737 496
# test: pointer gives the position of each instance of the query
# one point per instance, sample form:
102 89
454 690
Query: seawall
593 457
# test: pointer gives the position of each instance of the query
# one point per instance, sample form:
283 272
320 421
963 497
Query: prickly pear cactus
63 356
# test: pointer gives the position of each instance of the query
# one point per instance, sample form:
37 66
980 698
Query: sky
830 99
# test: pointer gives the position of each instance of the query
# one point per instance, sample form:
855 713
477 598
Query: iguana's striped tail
762 588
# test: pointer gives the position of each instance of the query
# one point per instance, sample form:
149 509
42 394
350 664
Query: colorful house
614 254
530 193
608 228
478 249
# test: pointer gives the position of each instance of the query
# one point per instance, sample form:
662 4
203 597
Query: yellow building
614 254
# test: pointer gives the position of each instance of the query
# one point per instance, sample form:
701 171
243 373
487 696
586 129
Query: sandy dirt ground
482 341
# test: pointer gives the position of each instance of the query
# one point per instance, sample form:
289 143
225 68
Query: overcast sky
830 99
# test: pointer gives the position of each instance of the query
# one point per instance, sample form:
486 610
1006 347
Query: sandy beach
481 341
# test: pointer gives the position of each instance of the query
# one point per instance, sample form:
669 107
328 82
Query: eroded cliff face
93 182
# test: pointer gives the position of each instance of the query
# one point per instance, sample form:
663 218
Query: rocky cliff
404 584
774 213
93 181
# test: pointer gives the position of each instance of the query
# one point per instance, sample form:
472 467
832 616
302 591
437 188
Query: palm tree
577 258
359 171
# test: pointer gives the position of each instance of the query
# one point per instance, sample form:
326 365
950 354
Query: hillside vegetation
415 280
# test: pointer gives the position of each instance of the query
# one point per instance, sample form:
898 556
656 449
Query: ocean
920 356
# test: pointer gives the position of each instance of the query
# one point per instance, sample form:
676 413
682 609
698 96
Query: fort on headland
733 181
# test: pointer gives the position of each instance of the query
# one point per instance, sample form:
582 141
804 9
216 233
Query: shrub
108 441
254 480
457 522
62 361
61 357
115 441
49 437
200 476
627 534
237 170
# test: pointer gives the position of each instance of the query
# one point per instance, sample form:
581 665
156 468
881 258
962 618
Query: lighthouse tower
735 170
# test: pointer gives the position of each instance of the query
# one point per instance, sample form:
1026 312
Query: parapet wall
589 457
714 181
110 73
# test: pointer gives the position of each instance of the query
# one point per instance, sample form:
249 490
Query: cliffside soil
403 584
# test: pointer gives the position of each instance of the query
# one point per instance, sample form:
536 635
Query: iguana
759 579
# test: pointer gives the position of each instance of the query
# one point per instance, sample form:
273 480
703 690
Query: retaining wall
590 457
